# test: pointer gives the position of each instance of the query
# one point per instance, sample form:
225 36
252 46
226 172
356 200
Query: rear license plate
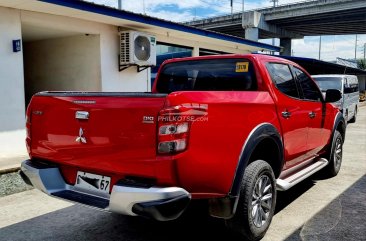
93 182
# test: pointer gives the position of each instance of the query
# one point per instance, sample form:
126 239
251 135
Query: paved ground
316 209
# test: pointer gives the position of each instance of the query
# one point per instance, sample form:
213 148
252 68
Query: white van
348 85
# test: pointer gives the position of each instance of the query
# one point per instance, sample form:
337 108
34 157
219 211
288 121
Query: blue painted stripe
112 12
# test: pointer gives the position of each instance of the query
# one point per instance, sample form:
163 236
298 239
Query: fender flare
226 207
338 120
259 133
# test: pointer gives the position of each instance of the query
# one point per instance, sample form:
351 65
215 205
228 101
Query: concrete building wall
68 63
128 80
111 78
102 49
12 109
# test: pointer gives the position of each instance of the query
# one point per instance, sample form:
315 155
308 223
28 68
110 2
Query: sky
342 46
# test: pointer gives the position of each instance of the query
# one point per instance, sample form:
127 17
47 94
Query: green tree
361 64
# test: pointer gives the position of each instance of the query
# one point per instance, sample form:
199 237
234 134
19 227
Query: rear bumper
160 203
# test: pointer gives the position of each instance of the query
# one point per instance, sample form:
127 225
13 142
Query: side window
350 87
347 89
309 88
282 77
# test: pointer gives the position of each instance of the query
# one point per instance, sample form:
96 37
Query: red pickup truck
230 129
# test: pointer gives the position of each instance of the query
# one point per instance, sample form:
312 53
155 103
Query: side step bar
290 181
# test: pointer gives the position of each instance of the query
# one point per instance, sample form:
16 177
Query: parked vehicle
232 129
348 85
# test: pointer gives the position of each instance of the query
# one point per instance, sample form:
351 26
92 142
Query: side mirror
332 95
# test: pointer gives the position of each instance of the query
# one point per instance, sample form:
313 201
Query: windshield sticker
242 67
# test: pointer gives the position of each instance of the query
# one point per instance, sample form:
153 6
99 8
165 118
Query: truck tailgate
107 132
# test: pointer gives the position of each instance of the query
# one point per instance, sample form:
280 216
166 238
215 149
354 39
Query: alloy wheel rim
261 200
338 152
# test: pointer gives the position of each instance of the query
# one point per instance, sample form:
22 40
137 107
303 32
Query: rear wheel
335 159
257 202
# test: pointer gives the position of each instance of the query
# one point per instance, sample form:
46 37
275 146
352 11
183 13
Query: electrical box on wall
17 45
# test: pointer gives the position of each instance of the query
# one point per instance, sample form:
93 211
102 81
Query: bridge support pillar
285 43
252 34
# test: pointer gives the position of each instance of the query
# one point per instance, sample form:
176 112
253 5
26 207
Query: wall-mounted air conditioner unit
137 48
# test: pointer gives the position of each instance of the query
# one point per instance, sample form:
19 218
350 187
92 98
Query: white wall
111 78
63 64
12 109
106 77
128 80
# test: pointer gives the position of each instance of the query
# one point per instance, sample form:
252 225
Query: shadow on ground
286 198
343 219
82 223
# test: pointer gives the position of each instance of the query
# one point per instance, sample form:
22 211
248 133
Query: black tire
335 156
243 222
353 120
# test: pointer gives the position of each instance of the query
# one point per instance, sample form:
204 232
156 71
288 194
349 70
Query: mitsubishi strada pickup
230 129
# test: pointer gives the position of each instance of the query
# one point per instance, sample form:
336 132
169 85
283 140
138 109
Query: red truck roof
227 56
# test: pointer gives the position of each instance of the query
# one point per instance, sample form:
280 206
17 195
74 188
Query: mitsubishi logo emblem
81 138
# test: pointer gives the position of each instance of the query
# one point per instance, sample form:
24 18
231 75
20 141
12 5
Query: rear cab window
207 75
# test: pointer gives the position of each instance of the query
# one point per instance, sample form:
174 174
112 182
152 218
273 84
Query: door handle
286 114
312 115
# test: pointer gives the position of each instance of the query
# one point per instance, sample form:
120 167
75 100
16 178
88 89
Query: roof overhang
315 66
102 14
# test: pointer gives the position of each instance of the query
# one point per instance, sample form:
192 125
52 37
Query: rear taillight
173 131
172 146
174 126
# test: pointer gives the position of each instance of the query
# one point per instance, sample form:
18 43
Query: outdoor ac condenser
137 48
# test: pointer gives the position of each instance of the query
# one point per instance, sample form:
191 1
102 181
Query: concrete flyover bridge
307 18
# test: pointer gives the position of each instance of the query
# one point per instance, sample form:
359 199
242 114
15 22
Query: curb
9 170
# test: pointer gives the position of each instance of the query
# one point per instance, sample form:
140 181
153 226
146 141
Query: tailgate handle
82 115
